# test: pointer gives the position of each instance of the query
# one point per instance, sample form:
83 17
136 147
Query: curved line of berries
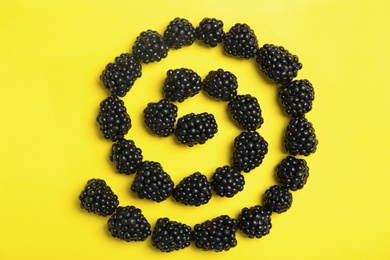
152 182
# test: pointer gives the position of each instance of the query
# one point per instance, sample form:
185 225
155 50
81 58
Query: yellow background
51 57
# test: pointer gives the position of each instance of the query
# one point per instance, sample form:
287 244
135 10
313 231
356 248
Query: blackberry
126 156
300 137
218 234
118 77
255 221
160 117
192 129
97 197
297 97
113 119
277 63
221 85
180 32
129 224
227 181
150 46
170 235
277 199
193 190
292 173
152 182
181 84
241 41
245 111
210 31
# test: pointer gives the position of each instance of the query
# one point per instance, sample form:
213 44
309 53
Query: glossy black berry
193 190
181 84
160 117
150 46
210 31
300 137
277 199
245 111
126 156
241 41
255 222
179 32
227 181
221 85
292 173
297 97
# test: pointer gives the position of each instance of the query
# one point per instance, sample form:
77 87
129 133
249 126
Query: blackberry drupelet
152 182
292 173
249 151
221 85
300 137
97 197
277 199
126 156
118 77
227 181
297 97
210 31
181 84
160 117
129 224
245 111
255 221
192 129
169 236
150 46
193 190
218 234
113 119
180 32
277 63
241 41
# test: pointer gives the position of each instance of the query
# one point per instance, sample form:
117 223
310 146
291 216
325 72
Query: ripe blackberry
129 224
221 85
245 111
292 173
192 129
160 117
277 63
118 77
180 32
249 151
113 119
97 197
170 235
126 156
227 181
297 97
241 41
300 137
210 31
150 46
193 190
218 234
255 221
152 182
277 199
181 84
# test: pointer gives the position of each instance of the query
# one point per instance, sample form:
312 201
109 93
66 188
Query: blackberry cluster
181 84
160 117
277 63
193 190
292 173
227 181
221 85
126 156
255 221
118 77
152 182
249 151
300 137
113 119
150 46
297 97
277 199
210 32
180 32
241 41
245 111
97 197
193 129
218 234
129 224
170 235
